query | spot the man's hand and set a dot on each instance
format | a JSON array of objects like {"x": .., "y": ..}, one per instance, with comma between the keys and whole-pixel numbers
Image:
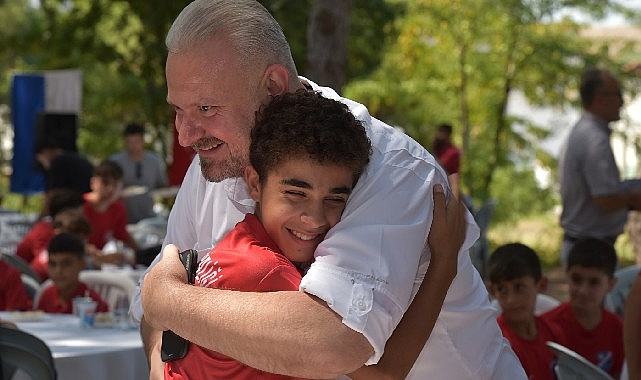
[
  {"x": 163, "y": 277},
  {"x": 447, "y": 233}
]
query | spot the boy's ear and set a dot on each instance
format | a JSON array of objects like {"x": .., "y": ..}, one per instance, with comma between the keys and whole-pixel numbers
[
  {"x": 253, "y": 182},
  {"x": 276, "y": 80}
]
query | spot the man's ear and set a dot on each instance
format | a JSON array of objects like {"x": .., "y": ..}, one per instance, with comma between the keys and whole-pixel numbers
[
  {"x": 276, "y": 80},
  {"x": 253, "y": 182}
]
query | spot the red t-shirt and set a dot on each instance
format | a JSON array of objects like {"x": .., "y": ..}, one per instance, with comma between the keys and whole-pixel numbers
[
  {"x": 13, "y": 295},
  {"x": 450, "y": 158},
  {"x": 112, "y": 223},
  {"x": 602, "y": 346},
  {"x": 246, "y": 259},
  {"x": 34, "y": 243},
  {"x": 51, "y": 302},
  {"x": 535, "y": 356}
]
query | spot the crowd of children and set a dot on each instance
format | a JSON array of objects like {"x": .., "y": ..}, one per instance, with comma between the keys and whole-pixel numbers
[
  {"x": 68, "y": 239},
  {"x": 582, "y": 323}
]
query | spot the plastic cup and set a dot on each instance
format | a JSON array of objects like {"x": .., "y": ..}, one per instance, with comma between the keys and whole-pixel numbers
[
  {"x": 76, "y": 301},
  {"x": 86, "y": 312}
]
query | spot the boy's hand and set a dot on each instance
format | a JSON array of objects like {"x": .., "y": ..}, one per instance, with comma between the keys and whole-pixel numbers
[{"x": 447, "y": 233}]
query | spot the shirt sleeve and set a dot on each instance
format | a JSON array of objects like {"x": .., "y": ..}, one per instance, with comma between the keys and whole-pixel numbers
[{"x": 366, "y": 268}]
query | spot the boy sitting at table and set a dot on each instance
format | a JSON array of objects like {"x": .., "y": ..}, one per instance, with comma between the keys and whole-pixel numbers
[
  {"x": 66, "y": 260},
  {"x": 515, "y": 280},
  {"x": 592, "y": 331}
]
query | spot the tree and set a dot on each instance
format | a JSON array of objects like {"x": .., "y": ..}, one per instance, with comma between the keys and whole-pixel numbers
[
  {"x": 327, "y": 33},
  {"x": 459, "y": 61}
]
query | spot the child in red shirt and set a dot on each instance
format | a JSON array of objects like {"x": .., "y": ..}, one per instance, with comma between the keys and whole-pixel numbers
[
  {"x": 592, "y": 331},
  {"x": 13, "y": 295},
  {"x": 105, "y": 210},
  {"x": 66, "y": 260},
  {"x": 515, "y": 276}
]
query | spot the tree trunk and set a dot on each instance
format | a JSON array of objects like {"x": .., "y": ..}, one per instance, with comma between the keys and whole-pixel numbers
[{"x": 327, "y": 34}]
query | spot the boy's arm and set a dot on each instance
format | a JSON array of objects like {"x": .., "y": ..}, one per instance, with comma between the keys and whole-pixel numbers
[
  {"x": 632, "y": 330},
  {"x": 446, "y": 237}
]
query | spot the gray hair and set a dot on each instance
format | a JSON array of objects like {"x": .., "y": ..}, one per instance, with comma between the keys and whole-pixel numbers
[{"x": 254, "y": 34}]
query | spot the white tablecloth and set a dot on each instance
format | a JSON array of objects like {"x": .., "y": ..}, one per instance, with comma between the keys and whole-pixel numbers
[{"x": 88, "y": 353}]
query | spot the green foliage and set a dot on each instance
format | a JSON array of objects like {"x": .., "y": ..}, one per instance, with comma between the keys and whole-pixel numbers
[
  {"x": 458, "y": 61},
  {"x": 414, "y": 63},
  {"x": 541, "y": 232}
]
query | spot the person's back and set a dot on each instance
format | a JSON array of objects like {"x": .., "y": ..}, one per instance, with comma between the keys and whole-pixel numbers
[
  {"x": 66, "y": 260},
  {"x": 33, "y": 247},
  {"x": 143, "y": 171},
  {"x": 13, "y": 295},
  {"x": 515, "y": 279},
  {"x": 592, "y": 331}
]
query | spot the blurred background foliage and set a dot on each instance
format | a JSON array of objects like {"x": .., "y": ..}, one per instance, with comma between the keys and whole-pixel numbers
[{"x": 414, "y": 63}]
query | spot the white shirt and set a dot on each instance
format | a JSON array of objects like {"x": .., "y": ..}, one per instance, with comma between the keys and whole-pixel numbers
[{"x": 372, "y": 262}]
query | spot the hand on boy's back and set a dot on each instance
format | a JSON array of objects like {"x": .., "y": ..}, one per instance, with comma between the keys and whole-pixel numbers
[{"x": 447, "y": 232}]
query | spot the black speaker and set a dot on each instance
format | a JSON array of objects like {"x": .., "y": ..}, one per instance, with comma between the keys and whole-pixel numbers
[{"x": 56, "y": 130}]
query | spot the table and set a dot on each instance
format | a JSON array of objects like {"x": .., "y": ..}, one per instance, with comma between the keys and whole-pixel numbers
[{"x": 88, "y": 353}]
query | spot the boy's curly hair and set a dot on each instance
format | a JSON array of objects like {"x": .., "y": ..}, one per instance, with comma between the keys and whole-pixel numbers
[{"x": 304, "y": 124}]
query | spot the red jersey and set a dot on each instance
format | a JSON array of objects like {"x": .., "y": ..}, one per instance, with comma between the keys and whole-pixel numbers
[
  {"x": 112, "y": 223},
  {"x": 450, "y": 158},
  {"x": 13, "y": 295},
  {"x": 33, "y": 247},
  {"x": 51, "y": 302},
  {"x": 602, "y": 345},
  {"x": 535, "y": 356},
  {"x": 246, "y": 259}
]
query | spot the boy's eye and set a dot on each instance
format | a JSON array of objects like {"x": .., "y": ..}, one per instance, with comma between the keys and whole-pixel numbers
[{"x": 337, "y": 200}]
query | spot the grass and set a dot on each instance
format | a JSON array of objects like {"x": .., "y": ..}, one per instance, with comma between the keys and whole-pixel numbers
[{"x": 543, "y": 234}]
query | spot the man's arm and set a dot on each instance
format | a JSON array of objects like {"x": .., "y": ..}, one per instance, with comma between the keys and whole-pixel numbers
[
  {"x": 151, "y": 340},
  {"x": 614, "y": 202},
  {"x": 632, "y": 330},
  {"x": 446, "y": 237},
  {"x": 274, "y": 332},
  {"x": 242, "y": 324}
]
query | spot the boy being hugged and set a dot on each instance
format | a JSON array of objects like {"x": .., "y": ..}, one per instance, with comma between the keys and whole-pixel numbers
[
  {"x": 515, "y": 280},
  {"x": 592, "y": 331}
]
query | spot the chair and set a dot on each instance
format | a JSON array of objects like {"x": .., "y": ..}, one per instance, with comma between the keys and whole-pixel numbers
[
  {"x": 113, "y": 287},
  {"x": 31, "y": 286},
  {"x": 21, "y": 265},
  {"x": 615, "y": 300},
  {"x": 21, "y": 350},
  {"x": 36, "y": 297},
  {"x": 572, "y": 366}
]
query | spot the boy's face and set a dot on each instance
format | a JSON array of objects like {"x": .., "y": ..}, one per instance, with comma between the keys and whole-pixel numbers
[
  {"x": 588, "y": 287},
  {"x": 517, "y": 297},
  {"x": 106, "y": 188},
  {"x": 299, "y": 202},
  {"x": 64, "y": 269}
]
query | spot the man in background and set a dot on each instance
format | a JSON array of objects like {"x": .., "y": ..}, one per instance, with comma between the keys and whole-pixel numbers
[
  {"x": 143, "y": 171},
  {"x": 448, "y": 155},
  {"x": 595, "y": 201}
]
